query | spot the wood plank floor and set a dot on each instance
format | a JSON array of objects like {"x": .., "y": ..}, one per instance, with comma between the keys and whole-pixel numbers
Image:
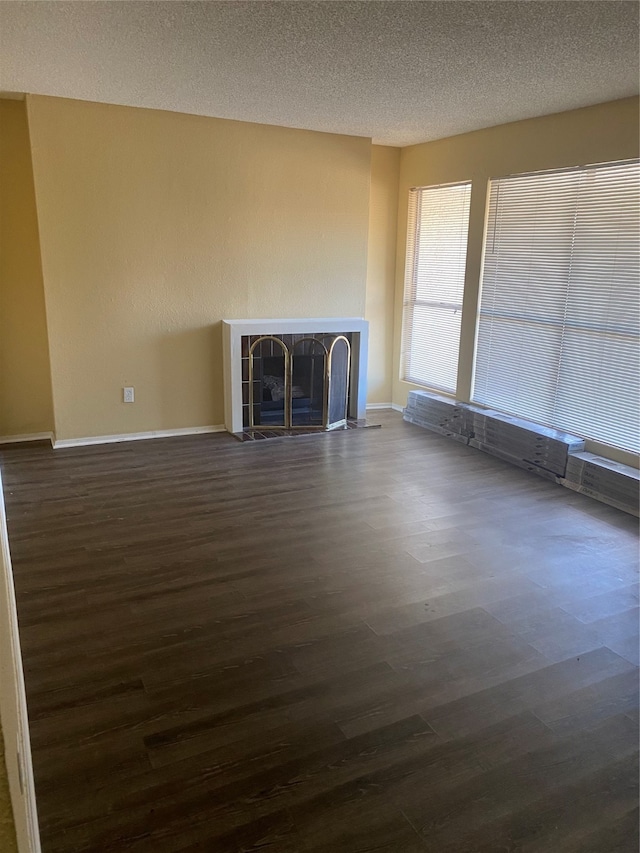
[{"x": 373, "y": 640}]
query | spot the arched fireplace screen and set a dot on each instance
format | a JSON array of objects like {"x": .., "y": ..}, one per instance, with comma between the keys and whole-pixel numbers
[
  {"x": 339, "y": 369},
  {"x": 269, "y": 378},
  {"x": 299, "y": 385}
]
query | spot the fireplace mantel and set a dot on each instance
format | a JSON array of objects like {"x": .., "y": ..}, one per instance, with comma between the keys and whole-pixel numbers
[{"x": 234, "y": 330}]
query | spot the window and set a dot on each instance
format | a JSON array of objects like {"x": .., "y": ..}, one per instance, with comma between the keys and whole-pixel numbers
[
  {"x": 437, "y": 232},
  {"x": 558, "y": 329}
]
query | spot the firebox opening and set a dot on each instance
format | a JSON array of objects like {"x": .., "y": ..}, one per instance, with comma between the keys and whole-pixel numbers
[{"x": 296, "y": 381}]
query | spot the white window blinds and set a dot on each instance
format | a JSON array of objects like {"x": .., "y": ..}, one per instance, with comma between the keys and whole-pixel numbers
[
  {"x": 559, "y": 315},
  {"x": 437, "y": 231}
]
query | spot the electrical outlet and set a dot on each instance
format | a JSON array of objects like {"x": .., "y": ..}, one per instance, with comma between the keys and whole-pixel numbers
[{"x": 127, "y": 395}]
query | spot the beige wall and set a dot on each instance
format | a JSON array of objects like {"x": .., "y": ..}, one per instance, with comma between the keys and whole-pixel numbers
[
  {"x": 595, "y": 134},
  {"x": 154, "y": 226},
  {"x": 381, "y": 270},
  {"x": 25, "y": 383}
]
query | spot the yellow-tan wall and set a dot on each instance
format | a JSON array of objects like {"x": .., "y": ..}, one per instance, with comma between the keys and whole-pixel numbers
[
  {"x": 154, "y": 226},
  {"x": 601, "y": 133},
  {"x": 25, "y": 383},
  {"x": 381, "y": 270}
]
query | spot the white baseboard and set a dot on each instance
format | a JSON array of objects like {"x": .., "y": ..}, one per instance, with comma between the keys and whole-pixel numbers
[
  {"x": 31, "y": 436},
  {"x": 394, "y": 406},
  {"x": 135, "y": 436}
]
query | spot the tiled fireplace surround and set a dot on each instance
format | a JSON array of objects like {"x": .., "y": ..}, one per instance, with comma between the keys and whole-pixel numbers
[{"x": 237, "y": 335}]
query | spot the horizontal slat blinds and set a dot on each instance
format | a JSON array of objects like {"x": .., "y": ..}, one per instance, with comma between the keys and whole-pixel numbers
[
  {"x": 437, "y": 231},
  {"x": 558, "y": 331}
]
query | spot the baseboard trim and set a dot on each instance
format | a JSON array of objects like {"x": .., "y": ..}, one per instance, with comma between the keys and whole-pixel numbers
[
  {"x": 31, "y": 436},
  {"x": 135, "y": 436},
  {"x": 394, "y": 406}
]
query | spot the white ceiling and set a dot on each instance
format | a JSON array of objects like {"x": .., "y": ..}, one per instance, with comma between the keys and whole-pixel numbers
[{"x": 400, "y": 72}]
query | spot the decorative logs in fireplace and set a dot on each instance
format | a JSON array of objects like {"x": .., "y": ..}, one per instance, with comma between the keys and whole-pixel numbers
[{"x": 298, "y": 382}]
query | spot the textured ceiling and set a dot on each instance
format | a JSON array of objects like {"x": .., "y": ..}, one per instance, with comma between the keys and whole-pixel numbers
[{"x": 400, "y": 72}]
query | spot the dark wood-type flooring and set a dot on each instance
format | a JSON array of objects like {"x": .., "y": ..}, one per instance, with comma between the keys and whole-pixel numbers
[{"x": 372, "y": 640}]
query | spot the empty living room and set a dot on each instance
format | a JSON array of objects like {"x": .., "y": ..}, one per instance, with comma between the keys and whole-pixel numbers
[{"x": 319, "y": 426}]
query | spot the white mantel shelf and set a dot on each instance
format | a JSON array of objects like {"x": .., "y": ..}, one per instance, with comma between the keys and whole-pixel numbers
[{"x": 234, "y": 330}]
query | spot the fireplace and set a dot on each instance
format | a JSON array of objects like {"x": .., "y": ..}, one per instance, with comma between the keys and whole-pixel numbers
[{"x": 294, "y": 374}]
